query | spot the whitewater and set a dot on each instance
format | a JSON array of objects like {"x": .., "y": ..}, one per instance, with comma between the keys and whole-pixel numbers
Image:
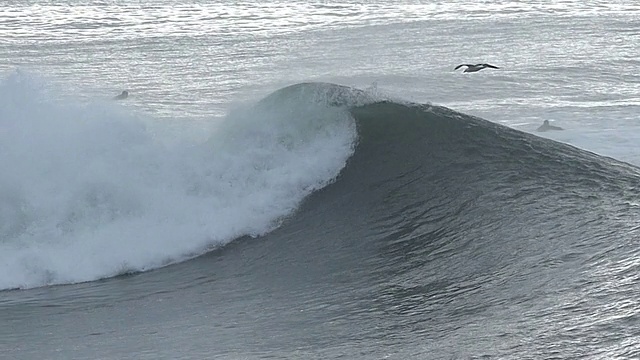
[
  {"x": 92, "y": 194},
  {"x": 282, "y": 180}
]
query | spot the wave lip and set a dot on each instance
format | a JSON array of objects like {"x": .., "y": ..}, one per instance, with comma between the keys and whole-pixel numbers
[{"x": 92, "y": 194}]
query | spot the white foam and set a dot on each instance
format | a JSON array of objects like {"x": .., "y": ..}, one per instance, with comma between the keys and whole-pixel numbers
[{"x": 86, "y": 192}]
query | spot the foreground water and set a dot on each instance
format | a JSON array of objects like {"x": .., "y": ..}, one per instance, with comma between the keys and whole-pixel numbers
[{"x": 436, "y": 241}]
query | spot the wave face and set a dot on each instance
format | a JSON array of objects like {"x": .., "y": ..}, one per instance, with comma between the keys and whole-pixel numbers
[
  {"x": 420, "y": 154},
  {"x": 87, "y": 192},
  {"x": 442, "y": 221}
]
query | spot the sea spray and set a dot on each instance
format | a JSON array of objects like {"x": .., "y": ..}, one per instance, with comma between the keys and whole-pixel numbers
[{"x": 87, "y": 192}]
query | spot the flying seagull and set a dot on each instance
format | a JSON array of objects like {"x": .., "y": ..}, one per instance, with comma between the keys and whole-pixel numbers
[{"x": 476, "y": 67}]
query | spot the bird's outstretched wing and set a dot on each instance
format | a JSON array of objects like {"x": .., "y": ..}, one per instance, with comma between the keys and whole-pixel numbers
[
  {"x": 461, "y": 65},
  {"x": 491, "y": 66}
]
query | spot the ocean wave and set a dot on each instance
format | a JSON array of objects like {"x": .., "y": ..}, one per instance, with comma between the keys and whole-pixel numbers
[{"x": 91, "y": 194}]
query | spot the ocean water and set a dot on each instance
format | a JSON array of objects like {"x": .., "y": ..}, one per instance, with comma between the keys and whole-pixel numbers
[{"x": 313, "y": 180}]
